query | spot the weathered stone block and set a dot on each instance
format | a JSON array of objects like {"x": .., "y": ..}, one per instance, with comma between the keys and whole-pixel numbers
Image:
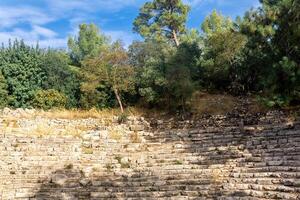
[{"x": 136, "y": 127}]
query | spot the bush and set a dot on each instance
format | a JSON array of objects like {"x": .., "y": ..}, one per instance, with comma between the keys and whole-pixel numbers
[
  {"x": 47, "y": 99},
  {"x": 122, "y": 118},
  {"x": 275, "y": 101},
  {"x": 3, "y": 91},
  {"x": 21, "y": 67}
]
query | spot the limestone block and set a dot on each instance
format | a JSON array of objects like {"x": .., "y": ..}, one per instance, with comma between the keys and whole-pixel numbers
[
  {"x": 59, "y": 179},
  {"x": 137, "y": 127}
]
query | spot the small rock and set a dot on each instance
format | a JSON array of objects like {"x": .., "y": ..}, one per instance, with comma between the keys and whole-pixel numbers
[
  {"x": 84, "y": 182},
  {"x": 86, "y": 137},
  {"x": 275, "y": 163},
  {"x": 125, "y": 160},
  {"x": 86, "y": 144},
  {"x": 59, "y": 179},
  {"x": 159, "y": 122},
  {"x": 103, "y": 134},
  {"x": 6, "y": 111},
  {"x": 249, "y": 128},
  {"x": 136, "y": 127},
  {"x": 290, "y": 124},
  {"x": 95, "y": 138}
]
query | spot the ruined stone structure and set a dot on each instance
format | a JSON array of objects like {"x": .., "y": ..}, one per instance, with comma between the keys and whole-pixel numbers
[{"x": 221, "y": 157}]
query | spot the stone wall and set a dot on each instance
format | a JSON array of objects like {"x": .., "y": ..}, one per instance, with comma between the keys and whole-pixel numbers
[{"x": 220, "y": 157}]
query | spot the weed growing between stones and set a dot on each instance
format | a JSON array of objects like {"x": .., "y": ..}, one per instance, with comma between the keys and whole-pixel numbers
[
  {"x": 135, "y": 137},
  {"x": 109, "y": 167},
  {"x": 87, "y": 150},
  {"x": 115, "y": 135},
  {"x": 122, "y": 118},
  {"x": 178, "y": 162}
]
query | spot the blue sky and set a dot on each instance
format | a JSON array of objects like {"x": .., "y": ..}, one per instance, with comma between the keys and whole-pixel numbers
[{"x": 51, "y": 21}]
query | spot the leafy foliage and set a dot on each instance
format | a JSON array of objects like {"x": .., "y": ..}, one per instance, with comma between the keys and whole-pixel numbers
[
  {"x": 149, "y": 61},
  {"x": 47, "y": 99},
  {"x": 3, "y": 91},
  {"x": 220, "y": 54},
  {"x": 21, "y": 67},
  {"x": 162, "y": 19},
  {"x": 165, "y": 74},
  {"x": 110, "y": 69},
  {"x": 60, "y": 76},
  {"x": 88, "y": 43},
  {"x": 271, "y": 56},
  {"x": 258, "y": 53},
  {"x": 182, "y": 74}
]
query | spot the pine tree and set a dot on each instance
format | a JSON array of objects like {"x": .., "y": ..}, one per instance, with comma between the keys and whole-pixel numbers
[{"x": 3, "y": 91}]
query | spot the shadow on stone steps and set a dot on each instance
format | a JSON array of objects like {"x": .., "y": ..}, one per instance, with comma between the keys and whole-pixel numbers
[{"x": 72, "y": 184}]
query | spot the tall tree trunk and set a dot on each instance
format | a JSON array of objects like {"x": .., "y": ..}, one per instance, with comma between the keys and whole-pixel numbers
[
  {"x": 175, "y": 38},
  {"x": 119, "y": 100}
]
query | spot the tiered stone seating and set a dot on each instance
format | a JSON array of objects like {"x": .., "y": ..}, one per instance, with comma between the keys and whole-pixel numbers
[{"x": 228, "y": 159}]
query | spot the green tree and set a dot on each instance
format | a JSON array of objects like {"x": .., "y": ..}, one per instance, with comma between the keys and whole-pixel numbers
[
  {"x": 162, "y": 19},
  {"x": 110, "y": 68},
  {"x": 165, "y": 75},
  {"x": 220, "y": 54},
  {"x": 88, "y": 43},
  {"x": 149, "y": 60},
  {"x": 283, "y": 83},
  {"x": 271, "y": 57},
  {"x": 216, "y": 23},
  {"x": 3, "y": 91},
  {"x": 193, "y": 37},
  {"x": 21, "y": 67},
  {"x": 183, "y": 73},
  {"x": 47, "y": 99},
  {"x": 258, "y": 54},
  {"x": 60, "y": 76}
]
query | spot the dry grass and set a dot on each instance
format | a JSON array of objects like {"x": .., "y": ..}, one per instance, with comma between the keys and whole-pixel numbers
[
  {"x": 10, "y": 122},
  {"x": 87, "y": 150},
  {"x": 43, "y": 129},
  {"x": 220, "y": 104},
  {"x": 115, "y": 135},
  {"x": 214, "y": 104},
  {"x": 217, "y": 176},
  {"x": 201, "y": 103},
  {"x": 108, "y": 113},
  {"x": 135, "y": 138},
  {"x": 256, "y": 106},
  {"x": 80, "y": 114}
]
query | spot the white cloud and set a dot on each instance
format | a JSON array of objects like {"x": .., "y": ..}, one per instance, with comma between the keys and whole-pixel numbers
[
  {"x": 197, "y": 3},
  {"x": 45, "y": 37},
  {"x": 91, "y": 5},
  {"x": 193, "y": 2},
  {"x": 51, "y": 40},
  {"x": 11, "y": 16},
  {"x": 34, "y": 34},
  {"x": 44, "y": 43},
  {"x": 41, "y": 31},
  {"x": 125, "y": 37},
  {"x": 76, "y": 12},
  {"x": 217, "y": 3},
  {"x": 12, "y": 19},
  {"x": 53, "y": 43},
  {"x": 4, "y": 37}
]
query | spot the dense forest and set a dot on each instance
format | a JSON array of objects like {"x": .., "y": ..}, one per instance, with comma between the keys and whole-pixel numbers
[{"x": 258, "y": 53}]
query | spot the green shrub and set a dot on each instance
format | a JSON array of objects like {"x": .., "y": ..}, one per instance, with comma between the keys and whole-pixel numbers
[
  {"x": 122, "y": 118},
  {"x": 21, "y": 67},
  {"x": 275, "y": 101},
  {"x": 47, "y": 99},
  {"x": 3, "y": 92}
]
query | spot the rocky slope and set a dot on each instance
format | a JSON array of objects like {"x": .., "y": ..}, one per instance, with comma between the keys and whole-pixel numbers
[{"x": 233, "y": 156}]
